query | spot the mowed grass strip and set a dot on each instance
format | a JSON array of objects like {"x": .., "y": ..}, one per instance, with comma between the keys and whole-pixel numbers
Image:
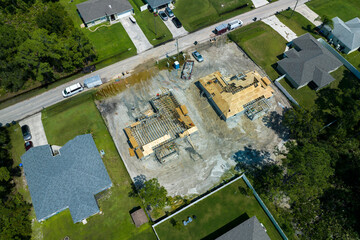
[
  {"x": 199, "y": 14},
  {"x": 297, "y": 23},
  {"x": 153, "y": 27},
  {"x": 345, "y": 10},
  {"x": 262, "y": 43},
  {"x": 223, "y": 207},
  {"x": 109, "y": 42},
  {"x": 64, "y": 121}
]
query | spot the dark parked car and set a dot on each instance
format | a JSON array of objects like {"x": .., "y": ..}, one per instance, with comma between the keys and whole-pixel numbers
[
  {"x": 163, "y": 16},
  {"x": 28, "y": 145},
  {"x": 176, "y": 22},
  {"x": 26, "y": 132},
  {"x": 169, "y": 12},
  {"x": 198, "y": 56}
]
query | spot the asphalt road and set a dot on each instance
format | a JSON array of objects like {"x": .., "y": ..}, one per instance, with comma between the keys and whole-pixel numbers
[{"x": 33, "y": 105}]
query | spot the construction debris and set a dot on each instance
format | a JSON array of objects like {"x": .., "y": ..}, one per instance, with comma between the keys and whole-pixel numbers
[
  {"x": 159, "y": 127},
  {"x": 187, "y": 70},
  {"x": 242, "y": 93}
]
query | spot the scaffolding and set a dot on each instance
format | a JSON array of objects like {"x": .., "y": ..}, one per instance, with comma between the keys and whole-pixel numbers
[{"x": 256, "y": 108}]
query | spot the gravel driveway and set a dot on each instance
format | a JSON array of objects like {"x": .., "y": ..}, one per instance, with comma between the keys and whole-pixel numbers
[{"x": 136, "y": 34}]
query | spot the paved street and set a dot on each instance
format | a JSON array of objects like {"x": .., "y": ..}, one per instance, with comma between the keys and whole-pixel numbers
[{"x": 28, "y": 107}]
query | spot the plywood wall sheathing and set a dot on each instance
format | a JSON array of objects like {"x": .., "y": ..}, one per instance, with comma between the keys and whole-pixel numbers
[
  {"x": 184, "y": 109},
  {"x": 139, "y": 153},
  {"x": 133, "y": 142},
  {"x": 131, "y": 152}
]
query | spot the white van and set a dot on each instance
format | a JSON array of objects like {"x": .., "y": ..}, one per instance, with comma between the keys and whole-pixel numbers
[
  {"x": 73, "y": 89},
  {"x": 235, "y": 24}
]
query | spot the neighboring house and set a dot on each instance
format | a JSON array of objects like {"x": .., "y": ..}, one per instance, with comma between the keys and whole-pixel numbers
[
  {"x": 345, "y": 35},
  {"x": 158, "y": 4},
  {"x": 251, "y": 229},
  {"x": 94, "y": 12},
  {"x": 308, "y": 62},
  {"x": 69, "y": 179}
]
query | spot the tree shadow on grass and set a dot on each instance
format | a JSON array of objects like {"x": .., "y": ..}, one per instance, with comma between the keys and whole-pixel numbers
[
  {"x": 274, "y": 121},
  {"x": 227, "y": 227},
  {"x": 309, "y": 29}
]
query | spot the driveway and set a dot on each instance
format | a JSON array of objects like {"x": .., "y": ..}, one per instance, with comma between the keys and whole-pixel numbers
[
  {"x": 259, "y": 3},
  {"x": 309, "y": 14},
  {"x": 136, "y": 34},
  {"x": 35, "y": 104},
  {"x": 278, "y": 26},
  {"x": 36, "y": 128},
  {"x": 176, "y": 32}
]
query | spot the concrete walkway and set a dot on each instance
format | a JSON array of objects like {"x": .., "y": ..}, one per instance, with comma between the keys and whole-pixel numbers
[
  {"x": 309, "y": 14},
  {"x": 136, "y": 34},
  {"x": 36, "y": 129},
  {"x": 278, "y": 26},
  {"x": 259, "y": 3}
]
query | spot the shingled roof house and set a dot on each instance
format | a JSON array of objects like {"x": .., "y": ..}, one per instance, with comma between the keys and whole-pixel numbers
[
  {"x": 94, "y": 12},
  {"x": 251, "y": 229},
  {"x": 69, "y": 179},
  {"x": 346, "y": 35},
  {"x": 157, "y": 4},
  {"x": 308, "y": 62}
]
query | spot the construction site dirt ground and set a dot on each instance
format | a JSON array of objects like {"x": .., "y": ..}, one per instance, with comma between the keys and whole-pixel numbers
[{"x": 217, "y": 146}]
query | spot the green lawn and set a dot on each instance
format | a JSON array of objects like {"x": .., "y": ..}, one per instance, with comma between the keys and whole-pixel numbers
[
  {"x": 111, "y": 44},
  {"x": 297, "y": 23},
  {"x": 306, "y": 97},
  {"x": 353, "y": 58},
  {"x": 64, "y": 121},
  {"x": 227, "y": 206},
  {"x": 153, "y": 27},
  {"x": 344, "y": 9},
  {"x": 262, "y": 44},
  {"x": 199, "y": 14}
]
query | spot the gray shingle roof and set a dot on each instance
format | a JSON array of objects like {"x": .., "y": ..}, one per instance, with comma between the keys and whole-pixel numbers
[
  {"x": 95, "y": 9},
  {"x": 347, "y": 32},
  {"x": 251, "y": 229},
  {"x": 309, "y": 61},
  {"x": 157, "y": 3},
  {"x": 67, "y": 180}
]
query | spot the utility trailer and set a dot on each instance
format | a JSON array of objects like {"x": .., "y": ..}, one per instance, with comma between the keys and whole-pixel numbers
[
  {"x": 93, "y": 81},
  {"x": 221, "y": 29},
  {"x": 187, "y": 70}
]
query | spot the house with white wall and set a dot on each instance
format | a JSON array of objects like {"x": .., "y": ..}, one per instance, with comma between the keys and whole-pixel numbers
[{"x": 94, "y": 12}]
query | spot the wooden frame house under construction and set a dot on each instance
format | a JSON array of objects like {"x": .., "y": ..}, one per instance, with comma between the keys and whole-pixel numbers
[
  {"x": 158, "y": 129},
  {"x": 243, "y": 93}
]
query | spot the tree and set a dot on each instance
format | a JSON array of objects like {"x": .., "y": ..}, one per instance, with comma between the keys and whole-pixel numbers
[
  {"x": 55, "y": 20},
  {"x": 303, "y": 125},
  {"x": 153, "y": 194},
  {"x": 4, "y": 174},
  {"x": 308, "y": 171}
]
